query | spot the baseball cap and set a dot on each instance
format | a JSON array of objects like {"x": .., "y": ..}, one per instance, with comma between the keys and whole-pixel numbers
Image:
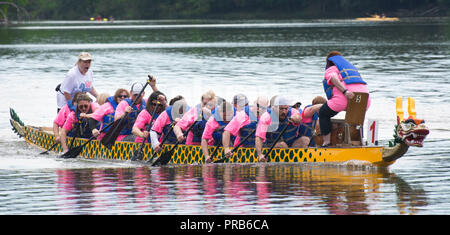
[
  {"x": 280, "y": 100},
  {"x": 85, "y": 56},
  {"x": 136, "y": 88}
]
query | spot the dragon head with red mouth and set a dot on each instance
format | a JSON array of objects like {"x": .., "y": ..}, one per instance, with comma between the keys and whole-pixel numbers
[{"x": 411, "y": 131}]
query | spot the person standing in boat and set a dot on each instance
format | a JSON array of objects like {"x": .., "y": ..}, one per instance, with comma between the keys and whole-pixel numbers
[
  {"x": 197, "y": 116},
  {"x": 105, "y": 113},
  {"x": 124, "y": 107},
  {"x": 214, "y": 127},
  {"x": 156, "y": 103},
  {"x": 341, "y": 80},
  {"x": 243, "y": 124},
  {"x": 80, "y": 78},
  {"x": 162, "y": 126},
  {"x": 310, "y": 119},
  {"x": 79, "y": 120},
  {"x": 273, "y": 122}
]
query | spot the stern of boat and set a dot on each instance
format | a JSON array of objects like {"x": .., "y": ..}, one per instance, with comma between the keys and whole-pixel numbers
[{"x": 17, "y": 125}]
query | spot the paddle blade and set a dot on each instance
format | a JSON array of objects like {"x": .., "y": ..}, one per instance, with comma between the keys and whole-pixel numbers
[
  {"x": 48, "y": 150},
  {"x": 222, "y": 160},
  {"x": 164, "y": 158},
  {"x": 73, "y": 153},
  {"x": 138, "y": 154},
  {"x": 110, "y": 137}
]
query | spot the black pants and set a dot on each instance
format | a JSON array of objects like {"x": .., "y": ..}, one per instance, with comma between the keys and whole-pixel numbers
[{"x": 325, "y": 115}]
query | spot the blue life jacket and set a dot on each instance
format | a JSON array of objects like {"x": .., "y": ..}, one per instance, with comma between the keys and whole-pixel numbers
[
  {"x": 72, "y": 106},
  {"x": 199, "y": 124},
  {"x": 289, "y": 135},
  {"x": 85, "y": 132},
  {"x": 348, "y": 72},
  {"x": 217, "y": 135},
  {"x": 107, "y": 119},
  {"x": 131, "y": 119},
  {"x": 247, "y": 129}
]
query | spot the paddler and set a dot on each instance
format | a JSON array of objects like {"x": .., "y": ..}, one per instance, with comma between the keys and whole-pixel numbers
[
  {"x": 212, "y": 134},
  {"x": 105, "y": 113},
  {"x": 170, "y": 116},
  {"x": 124, "y": 107},
  {"x": 63, "y": 113},
  {"x": 197, "y": 116},
  {"x": 240, "y": 101},
  {"x": 79, "y": 120},
  {"x": 243, "y": 124},
  {"x": 273, "y": 122},
  {"x": 310, "y": 119},
  {"x": 156, "y": 104}
]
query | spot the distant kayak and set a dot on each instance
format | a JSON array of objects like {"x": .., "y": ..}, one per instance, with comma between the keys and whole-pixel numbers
[
  {"x": 377, "y": 18},
  {"x": 100, "y": 19}
]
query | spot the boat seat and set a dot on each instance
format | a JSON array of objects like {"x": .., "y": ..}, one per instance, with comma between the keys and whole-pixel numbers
[
  {"x": 348, "y": 132},
  {"x": 354, "y": 117}
]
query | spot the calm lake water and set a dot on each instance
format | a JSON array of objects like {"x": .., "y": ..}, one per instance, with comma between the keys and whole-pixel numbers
[{"x": 408, "y": 58}]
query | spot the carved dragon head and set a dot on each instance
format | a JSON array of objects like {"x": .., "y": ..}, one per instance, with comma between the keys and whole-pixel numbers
[{"x": 412, "y": 131}]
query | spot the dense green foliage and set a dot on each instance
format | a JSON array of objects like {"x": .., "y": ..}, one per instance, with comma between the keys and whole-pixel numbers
[{"x": 262, "y": 9}]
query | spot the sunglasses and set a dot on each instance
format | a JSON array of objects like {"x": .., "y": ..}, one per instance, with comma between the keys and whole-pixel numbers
[
  {"x": 85, "y": 106},
  {"x": 161, "y": 103},
  {"x": 122, "y": 96}
]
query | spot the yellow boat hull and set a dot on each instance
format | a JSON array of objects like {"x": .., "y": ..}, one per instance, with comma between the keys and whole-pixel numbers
[{"x": 191, "y": 154}]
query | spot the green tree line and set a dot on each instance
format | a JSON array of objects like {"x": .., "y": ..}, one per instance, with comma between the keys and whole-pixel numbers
[{"x": 221, "y": 9}]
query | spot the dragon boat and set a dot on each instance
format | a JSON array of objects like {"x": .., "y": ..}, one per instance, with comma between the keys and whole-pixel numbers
[{"x": 408, "y": 132}]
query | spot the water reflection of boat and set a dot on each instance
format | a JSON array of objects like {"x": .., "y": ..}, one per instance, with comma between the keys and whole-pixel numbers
[
  {"x": 376, "y": 17},
  {"x": 226, "y": 188}
]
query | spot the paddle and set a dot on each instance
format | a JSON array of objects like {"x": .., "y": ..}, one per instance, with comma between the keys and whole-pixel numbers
[
  {"x": 139, "y": 154},
  {"x": 73, "y": 153},
  {"x": 277, "y": 139},
  {"x": 77, "y": 130},
  {"x": 215, "y": 150},
  {"x": 162, "y": 142},
  {"x": 50, "y": 149},
  {"x": 165, "y": 157},
  {"x": 110, "y": 137},
  {"x": 235, "y": 148}
]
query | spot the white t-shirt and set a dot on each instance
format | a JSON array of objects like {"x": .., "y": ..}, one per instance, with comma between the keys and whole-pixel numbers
[{"x": 73, "y": 83}]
